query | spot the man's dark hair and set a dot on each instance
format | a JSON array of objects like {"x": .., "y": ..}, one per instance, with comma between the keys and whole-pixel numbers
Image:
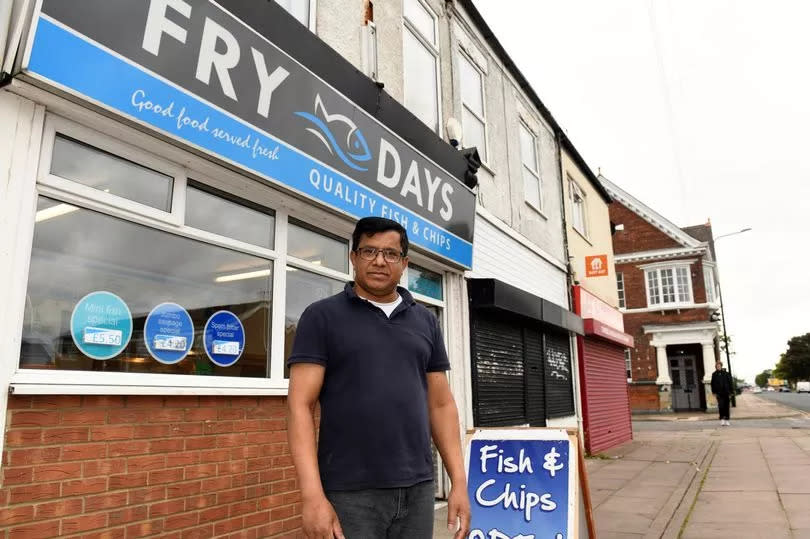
[{"x": 372, "y": 225}]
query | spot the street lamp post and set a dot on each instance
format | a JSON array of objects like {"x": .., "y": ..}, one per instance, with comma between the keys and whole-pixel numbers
[{"x": 723, "y": 318}]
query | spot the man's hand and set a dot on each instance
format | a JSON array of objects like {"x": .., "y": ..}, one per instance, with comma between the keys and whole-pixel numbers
[
  {"x": 458, "y": 512},
  {"x": 320, "y": 520}
]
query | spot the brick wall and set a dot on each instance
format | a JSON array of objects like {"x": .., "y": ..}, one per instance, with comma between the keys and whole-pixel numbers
[
  {"x": 136, "y": 466},
  {"x": 638, "y": 234},
  {"x": 643, "y": 397}
]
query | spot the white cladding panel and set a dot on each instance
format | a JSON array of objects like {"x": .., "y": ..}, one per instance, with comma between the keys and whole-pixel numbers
[{"x": 501, "y": 257}]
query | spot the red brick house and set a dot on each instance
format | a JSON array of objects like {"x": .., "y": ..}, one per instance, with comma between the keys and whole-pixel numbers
[{"x": 667, "y": 282}]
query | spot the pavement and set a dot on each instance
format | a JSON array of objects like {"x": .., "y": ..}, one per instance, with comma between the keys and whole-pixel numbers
[{"x": 749, "y": 480}]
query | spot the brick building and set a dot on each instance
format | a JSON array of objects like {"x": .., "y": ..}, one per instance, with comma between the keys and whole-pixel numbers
[{"x": 667, "y": 282}]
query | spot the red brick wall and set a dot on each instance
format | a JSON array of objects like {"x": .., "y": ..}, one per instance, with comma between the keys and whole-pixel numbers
[
  {"x": 135, "y": 466},
  {"x": 644, "y": 397},
  {"x": 638, "y": 234}
]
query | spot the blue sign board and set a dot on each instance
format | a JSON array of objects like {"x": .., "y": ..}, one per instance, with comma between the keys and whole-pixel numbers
[
  {"x": 224, "y": 338},
  {"x": 101, "y": 325},
  {"x": 263, "y": 111},
  {"x": 168, "y": 333},
  {"x": 522, "y": 484}
]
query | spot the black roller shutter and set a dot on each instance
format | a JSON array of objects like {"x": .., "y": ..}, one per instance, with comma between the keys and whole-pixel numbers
[
  {"x": 559, "y": 392},
  {"x": 535, "y": 378},
  {"x": 498, "y": 374}
]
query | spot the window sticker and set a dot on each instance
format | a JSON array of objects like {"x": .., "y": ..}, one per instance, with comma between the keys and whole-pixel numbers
[
  {"x": 224, "y": 338},
  {"x": 101, "y": 325},
  {"x": 168, "y": 333}
]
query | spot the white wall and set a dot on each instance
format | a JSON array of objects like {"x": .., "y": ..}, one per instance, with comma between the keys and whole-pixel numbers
[{"x": 499, "y": 256}]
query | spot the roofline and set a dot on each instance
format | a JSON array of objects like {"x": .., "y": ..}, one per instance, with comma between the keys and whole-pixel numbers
[
  {"x": 574, "y": 154},
  {"x": 650, "y": 215},
  {"x": 512, "y": 68}
]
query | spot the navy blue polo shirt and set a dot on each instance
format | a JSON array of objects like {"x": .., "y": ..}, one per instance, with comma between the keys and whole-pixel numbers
[{"x": 375, "y": 430}]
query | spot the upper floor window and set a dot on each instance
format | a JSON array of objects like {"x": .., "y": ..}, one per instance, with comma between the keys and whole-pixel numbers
[
  {"x": 473, "y": 116},
  {"x": 303, "y": 10},
  {"x": 711, "y": 287},
  {"x": 577, "y": 197},
  {"x": 530, "y": 167},
  {"x": 620, "y": 289},
  {"x": 420, "y": 51},
  {"x": 668, "y": 285}
]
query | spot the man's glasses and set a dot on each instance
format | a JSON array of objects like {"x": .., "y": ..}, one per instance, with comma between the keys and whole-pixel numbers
[{"x": 370, "y": 253}]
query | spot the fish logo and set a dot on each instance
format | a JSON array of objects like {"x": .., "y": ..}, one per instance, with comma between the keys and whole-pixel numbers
[{"x": 331, "y": 128}]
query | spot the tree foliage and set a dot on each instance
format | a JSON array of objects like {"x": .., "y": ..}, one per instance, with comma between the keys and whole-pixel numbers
[
  {"x": 761, "y": 379},
  {"x": 794, "y": 364}
]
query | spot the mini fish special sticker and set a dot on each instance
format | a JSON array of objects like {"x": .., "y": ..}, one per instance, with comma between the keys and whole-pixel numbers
[
  {"x": 224, "y": 338},
  {"x": 101, "y": 325},
  {"x": 168, "y": 333}
]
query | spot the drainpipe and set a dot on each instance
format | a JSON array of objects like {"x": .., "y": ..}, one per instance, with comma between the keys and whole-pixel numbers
[{"x": 569, "y": 281}]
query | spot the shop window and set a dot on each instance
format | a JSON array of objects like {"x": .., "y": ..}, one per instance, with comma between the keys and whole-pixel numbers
[
  {"x": 191, "y": 291},
  {"x": 303, "y": 289},
  {"x": 425, "y": 282},
  {"x": 668, "y": 286},
  {"x": 532, "y": 186},
  {"x": 318, "y": 247},
  {"x": 620, "y": 290},
  {"x": 421, "y": 62},
  {"x": 213, "y": 212},
  {"x": 302, "y": 10},
  {"x": 473, "y": 113},
  {"x": 90, "y": 166},
  {"x": 578, "y": 210}
]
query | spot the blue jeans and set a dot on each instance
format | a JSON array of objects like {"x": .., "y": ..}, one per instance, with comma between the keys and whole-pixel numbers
[{"x": 386, "y": 513}]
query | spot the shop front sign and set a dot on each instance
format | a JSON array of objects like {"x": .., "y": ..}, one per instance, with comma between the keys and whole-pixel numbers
[{"x": 196, "y": 73}]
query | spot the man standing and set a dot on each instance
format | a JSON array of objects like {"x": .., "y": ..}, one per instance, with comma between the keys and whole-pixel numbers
[
  {"x": 722, "y": 387},
  {"x": 376, "y": 362}
]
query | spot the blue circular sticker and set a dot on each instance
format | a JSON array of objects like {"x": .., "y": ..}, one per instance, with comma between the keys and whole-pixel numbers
[
  {"x": 101, "y": 325},
  {"x": 168, "y": 333},
  {"x": 224, "y": 338}
]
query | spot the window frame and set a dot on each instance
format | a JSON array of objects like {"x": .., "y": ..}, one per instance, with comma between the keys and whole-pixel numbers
[
  {"x": 433, "y": 49},
  {"x": 464, "y": 57},
  {"x": 578, "y": 208},
  {"x": 628, "y": 364},
  {"x": 143, "y": 149},
  {"x": 621, "y": 291},
  {"x": 710, "y": 283},
  {"x": 656, "y": 271},
  {"x": 535, "y": 172},
  {"x": 311, "y": 23}
]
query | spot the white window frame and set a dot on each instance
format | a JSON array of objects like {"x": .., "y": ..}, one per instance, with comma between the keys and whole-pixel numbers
[
  {"x": 311, "y": 23},
  {"x": 147, "y": 151},
  {"x": 710, "y": 283},
  {"x": 536, "y": 171},
  {"x": 463, "y": 56},
  {"x": 578, "y": 208},
  {"x": 628, "y": 364},
  {"x": 621, "y": 291},
  {"x": 433, "y": 48},
  {"x": 656, "y": 269}
]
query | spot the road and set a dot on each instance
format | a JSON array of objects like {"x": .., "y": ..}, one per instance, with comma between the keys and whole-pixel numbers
[{"x": 800, "y": 401}]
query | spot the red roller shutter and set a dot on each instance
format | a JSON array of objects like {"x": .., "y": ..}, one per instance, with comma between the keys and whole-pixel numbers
[{"x": 606, "y": 406}]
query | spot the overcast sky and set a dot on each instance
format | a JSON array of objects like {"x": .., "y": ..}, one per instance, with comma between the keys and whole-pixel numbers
[{"x": 700, "y": 109}]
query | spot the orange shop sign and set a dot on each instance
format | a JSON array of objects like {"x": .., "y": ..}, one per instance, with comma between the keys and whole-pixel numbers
[{"x": 596, "y": 266}]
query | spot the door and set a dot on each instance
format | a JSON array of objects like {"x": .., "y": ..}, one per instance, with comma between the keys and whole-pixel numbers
[{"x": 685, "y": 393}]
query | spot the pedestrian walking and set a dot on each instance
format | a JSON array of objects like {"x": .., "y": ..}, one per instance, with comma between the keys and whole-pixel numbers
[
  {"x": 722, "y": 387},
  {"x": 375, "y": 361}
]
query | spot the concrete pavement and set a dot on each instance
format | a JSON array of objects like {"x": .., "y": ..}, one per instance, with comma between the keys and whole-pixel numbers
[
  {"x": 723, "y": 482},
  {"x": 712, "y": 482}
]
